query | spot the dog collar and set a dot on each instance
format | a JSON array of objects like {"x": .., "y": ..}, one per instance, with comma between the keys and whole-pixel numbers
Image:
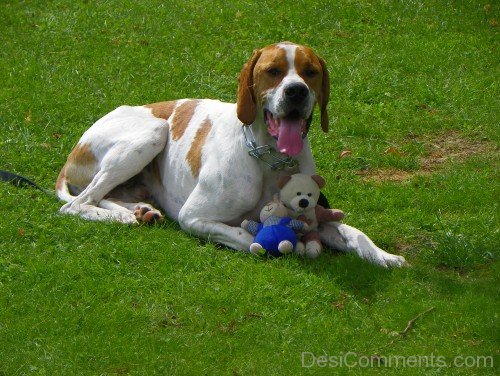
[{"x": 267, "y": 154}]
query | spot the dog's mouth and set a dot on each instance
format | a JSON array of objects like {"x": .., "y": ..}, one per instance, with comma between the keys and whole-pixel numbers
[{"x": 288, "y": 131}]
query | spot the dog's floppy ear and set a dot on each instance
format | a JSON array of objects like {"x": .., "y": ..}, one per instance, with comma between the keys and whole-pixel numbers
[
  {"x": 325, "y": 96},
  {"x": 283, "y": 180},
  {"x": 246, "y": 106},
  {"x": 319, "y": 180}
]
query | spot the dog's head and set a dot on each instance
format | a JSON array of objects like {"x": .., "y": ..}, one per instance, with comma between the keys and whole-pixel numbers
[{"x": 283, "y": 82}]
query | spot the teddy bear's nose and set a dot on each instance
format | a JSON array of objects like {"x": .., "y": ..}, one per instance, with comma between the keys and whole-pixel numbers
[{"x": 304, "y": 203}]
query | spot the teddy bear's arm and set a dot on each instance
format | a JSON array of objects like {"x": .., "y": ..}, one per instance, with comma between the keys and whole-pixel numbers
[
  {"x": 298, "y": 225},
  {"x": 251, "y": 226},
  {"x": 328, "y": 215}
]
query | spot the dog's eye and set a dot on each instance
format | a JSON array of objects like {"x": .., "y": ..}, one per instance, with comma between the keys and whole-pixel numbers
[
  {"x": 273, "y": 72},
  {"x": 310, "y": 72},
  {"x": 309, "y": 194},
  {"x": 299, "y": 193}
]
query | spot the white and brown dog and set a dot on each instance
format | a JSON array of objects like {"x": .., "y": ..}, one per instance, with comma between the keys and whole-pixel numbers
[{"x": 208, "y": 164}]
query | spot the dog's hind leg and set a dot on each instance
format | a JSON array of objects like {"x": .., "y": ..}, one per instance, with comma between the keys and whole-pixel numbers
[
  {"x": 111, "y": 152},
  {"x": 86, "y": 204}
]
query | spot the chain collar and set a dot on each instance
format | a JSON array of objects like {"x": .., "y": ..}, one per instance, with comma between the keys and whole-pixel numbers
[{"x": 267, "y": 154}]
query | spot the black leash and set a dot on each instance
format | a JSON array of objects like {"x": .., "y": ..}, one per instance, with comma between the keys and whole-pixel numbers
[{"x": 21, "y": 181}]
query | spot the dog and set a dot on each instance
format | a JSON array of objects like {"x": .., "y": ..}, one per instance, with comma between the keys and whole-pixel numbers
[{"x": 209, "y": 164}]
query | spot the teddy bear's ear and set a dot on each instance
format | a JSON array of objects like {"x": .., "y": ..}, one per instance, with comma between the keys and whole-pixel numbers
[
  {"x": 319, "y": 180},
  {"x": 283, "y": 180}
]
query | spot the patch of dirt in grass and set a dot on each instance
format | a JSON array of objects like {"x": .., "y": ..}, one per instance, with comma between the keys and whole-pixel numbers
[
  {"x": 447, "y": 146},
  {"x": 386, "y": 174},
  {"x": 460, "y": 270},
  {"x": 452, "y": 146},
  {"x": 411, "y": 246}
]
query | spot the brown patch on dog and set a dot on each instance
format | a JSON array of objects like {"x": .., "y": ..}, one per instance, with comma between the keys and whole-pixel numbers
[
  {"x": 315, "y": 74},
  {"x": 450, "y": 145},
  {"x": 81, "y": 165},
  {"x": 306, "y": 59},
  {"x": 182, "y": 116},
  {"x": 82, "y": 155},
  {"x": 271, "y": 58},
  {"x": 61, "y": 179},
  {"x": 246, "y": 106},
  {"x": 162, "y": 110},
  {"x": 194, "y": 154}
]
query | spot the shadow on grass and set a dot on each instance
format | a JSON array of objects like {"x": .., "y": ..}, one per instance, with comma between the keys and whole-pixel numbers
[
  {"x": 353, "y": 275},
  {"x": 345, "y": 272}
]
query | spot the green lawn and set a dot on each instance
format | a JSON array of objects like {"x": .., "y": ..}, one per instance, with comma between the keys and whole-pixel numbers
[{"x": 415, "y": 101}]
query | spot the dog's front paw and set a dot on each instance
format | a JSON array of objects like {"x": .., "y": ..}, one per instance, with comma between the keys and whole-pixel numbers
[{"x": 391, "y": 260}]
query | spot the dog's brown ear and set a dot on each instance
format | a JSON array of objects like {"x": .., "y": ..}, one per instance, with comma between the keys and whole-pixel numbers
[
  {"x": 283, "y": 180},
  {"x": 319, "y": 180},
  {"x": 246, "y": 106},
  {"x": 325, "y": 96}
]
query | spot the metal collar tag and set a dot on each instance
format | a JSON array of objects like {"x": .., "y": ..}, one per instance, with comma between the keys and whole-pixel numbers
[{"x": 267, "y": 154}]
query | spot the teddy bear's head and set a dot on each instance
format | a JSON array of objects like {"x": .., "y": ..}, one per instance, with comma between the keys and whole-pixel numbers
[
  {"x": 275, "y": 208},
  {"x": 300, "y": 192}
]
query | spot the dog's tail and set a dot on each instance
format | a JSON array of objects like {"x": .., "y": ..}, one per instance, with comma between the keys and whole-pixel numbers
[{"x": 62, "y": 189}]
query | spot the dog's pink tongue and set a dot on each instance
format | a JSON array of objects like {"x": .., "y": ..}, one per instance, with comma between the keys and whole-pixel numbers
[{"x": 290, "y": 137}]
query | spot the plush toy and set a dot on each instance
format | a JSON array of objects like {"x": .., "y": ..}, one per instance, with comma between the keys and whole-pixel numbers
[
  {"x": 276, "y": 234},
  {"x": 300, "y": 193}
]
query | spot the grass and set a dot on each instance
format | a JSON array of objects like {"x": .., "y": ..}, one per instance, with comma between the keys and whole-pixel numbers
[{"x": 414, "y": 99}]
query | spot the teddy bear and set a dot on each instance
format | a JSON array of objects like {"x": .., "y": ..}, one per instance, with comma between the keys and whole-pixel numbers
[
  {"x": 276, "y": 234},
  {"x": 299, "y": 193}
]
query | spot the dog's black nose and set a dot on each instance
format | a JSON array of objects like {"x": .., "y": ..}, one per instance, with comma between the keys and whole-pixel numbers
[
  {"x": 304, "y": 203},
  {"x": 296, "y": 93}
]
